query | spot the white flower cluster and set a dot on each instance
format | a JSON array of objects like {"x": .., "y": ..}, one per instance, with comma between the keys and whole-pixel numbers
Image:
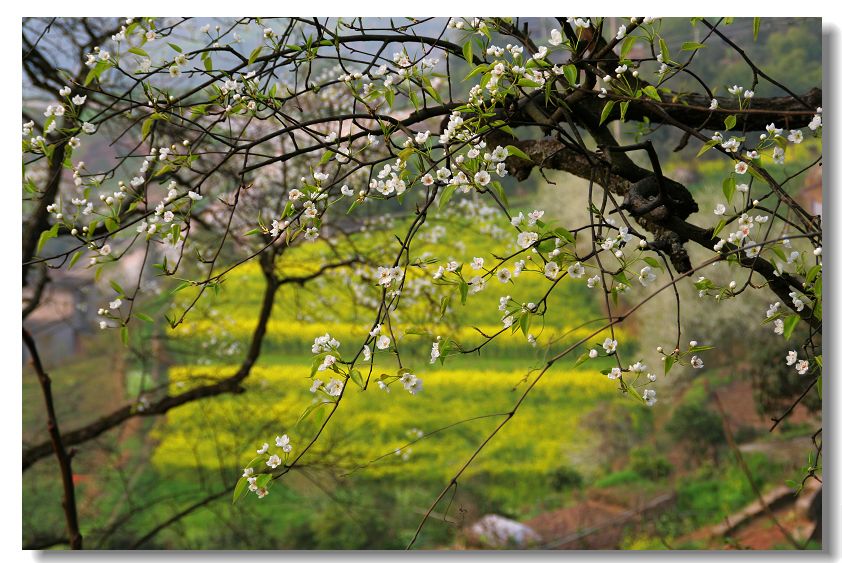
[
  {"x": 801, "y": 366},
  {"x": 389, "y": 181},
  {"x": 274, "y": 461},
  {"x": 325, "y": 343}
]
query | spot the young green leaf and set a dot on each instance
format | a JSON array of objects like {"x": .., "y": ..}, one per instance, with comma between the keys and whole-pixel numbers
[
  {"x": 514, "y": 151},
  {"x": 652, "y": 92},
  {"x": 606, "y": 111}
]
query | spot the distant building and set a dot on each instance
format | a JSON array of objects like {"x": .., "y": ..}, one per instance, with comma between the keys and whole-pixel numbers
[{"x": 63, "y": 315}]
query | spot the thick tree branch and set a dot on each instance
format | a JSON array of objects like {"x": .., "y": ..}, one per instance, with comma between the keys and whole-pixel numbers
[{"x": 667, "y": 223}]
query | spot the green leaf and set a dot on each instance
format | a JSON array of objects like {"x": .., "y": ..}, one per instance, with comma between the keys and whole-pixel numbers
[
  {"x": 789, "y": 325},
  {"x": 138, "y": 51},
  {"x": 606, "y": 111},
  {"x": 652, "y": 92},
  {"x": 445, "y": 301},
  {"x": 406, "y": 153},
  {"x": 116, "y": 287},
  {"x": 124, "y": 335},
  {"x": 718, "y": 229},
  {"x": 730, "y": 122},
  {"x": 729, "y": 185},
  {"x": 263, "y": 480},
  {"x": 309, "y": 410},
  {"x": 390, "y": 96},
  {"x": 144, "y": 317},
  {"x": 208, "y": 63},
  {"x": 524, "y": 323},
  {"x": 433, "y": 92},
  {"x": 628, "y": 43},
  {"x": 325, "y": 157},
  {"x": 240, "y": 489},
  {"x": 563, "y": 233},
  {"x": 705, "y": 148},
  {"x": 571, "y": 74},
  {"x": 623, "y": 107},
  {"x": 75, "y": 258},
  {"x": 463, "y": 291},
  {"x": 257, "y": 461},
  {"x": 668, "y": 363},
  {"x": 317, "y": 361},
  {"x": 446, "y": 194},
  {"x": 356, "y": 377},
  {"x": 498, "y": 190},
  {"x": 147, "y": 125},
  {"x": 96, "y": 72},
  {"x": 514, "y": 151},
  {"x": 468, "y": 52},
  {"x": 163, "y": 170},
  {"x": 526, "y": 83},
  {"x": 652, "y": 262},
  {"x": 45, "y": 236},
  {"x": 182, "y": 285},
  {"x": 813, "y": 272},
  {"x": 479, "y": 69},
  {"x": 664, "y": 49},
  {"x": 254, "y": 54},
  {"x": 692, "y": 46},
  {"x": 756, "y": 27},
  {"x": 634, "y": 393},
  {"x": 175, "y": 47}
]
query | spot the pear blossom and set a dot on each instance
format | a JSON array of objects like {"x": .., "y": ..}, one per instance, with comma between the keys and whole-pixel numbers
[
  {"x": 482, "y": 178},
  {"x": 411, "y": 383},
  {"x": 791, "y": 357},
  {"x": 526, "y": 239},
  {"x": 334, "y": 387},
  {"x": 795, "y": 136},
  {"x": 283, "y": 443},
  {"x": 646, "y": 276}
]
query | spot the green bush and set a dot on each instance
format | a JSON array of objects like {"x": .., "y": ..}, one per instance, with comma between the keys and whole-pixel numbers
[
  {"x": 694, "y": 424},
  {"x": 646, "y": 462},
  {"x": 566, "y": 478}
]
